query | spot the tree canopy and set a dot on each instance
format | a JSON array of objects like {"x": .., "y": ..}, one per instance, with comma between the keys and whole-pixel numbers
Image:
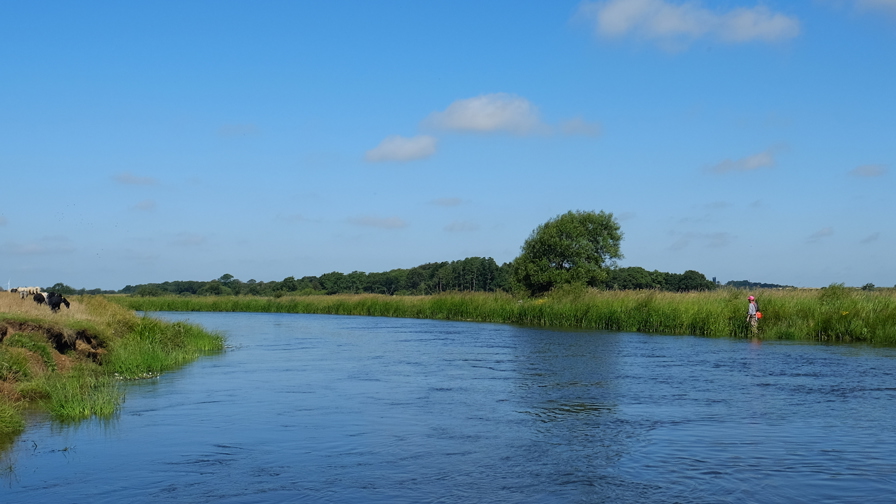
[{"x": 575, "y": 248}]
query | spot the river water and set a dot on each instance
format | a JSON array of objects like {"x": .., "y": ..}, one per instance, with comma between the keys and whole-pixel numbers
[{"x": 319, "y": 408}]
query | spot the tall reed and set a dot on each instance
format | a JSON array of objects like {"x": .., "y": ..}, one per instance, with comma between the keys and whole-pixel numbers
[{"x": 835, "y": 313}]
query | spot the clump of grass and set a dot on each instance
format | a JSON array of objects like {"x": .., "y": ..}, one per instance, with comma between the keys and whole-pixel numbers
[
  {"x": 154, "y": 346},
  {"x": 83, "y": 392},
  {"x": 11, "y": 422},
  {"x": 14, "y": 365},
  {"x": 34, "y": 343}
]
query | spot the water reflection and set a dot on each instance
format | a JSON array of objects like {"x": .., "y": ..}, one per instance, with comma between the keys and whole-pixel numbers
[{"x": 355, "y": 409}]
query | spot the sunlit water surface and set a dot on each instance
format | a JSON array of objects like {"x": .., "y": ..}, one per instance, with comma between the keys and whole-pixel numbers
[{"x": 317, "y": 408}]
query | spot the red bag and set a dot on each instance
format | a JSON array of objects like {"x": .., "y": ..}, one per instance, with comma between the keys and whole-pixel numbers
[{"x": 758, "y": 315}]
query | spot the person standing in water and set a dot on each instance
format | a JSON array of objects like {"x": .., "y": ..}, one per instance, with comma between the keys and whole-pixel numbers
[{"x": 752, "y": 319}]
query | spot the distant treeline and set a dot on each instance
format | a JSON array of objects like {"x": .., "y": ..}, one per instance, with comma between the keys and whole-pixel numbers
[
  {"x": 746, "y": 284},
  {"x": 473, "y": 274}
]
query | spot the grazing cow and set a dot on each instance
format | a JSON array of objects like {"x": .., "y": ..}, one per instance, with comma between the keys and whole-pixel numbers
[
  {"x": 39, "y": 299},
  {"x": 55, "y": 300}
]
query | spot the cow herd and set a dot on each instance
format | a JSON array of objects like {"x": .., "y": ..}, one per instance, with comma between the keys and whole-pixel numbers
[{"x": 54, "y": 300}]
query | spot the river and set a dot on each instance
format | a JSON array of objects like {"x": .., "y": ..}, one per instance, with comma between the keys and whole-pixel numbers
[{"x": 333, "y": 409}]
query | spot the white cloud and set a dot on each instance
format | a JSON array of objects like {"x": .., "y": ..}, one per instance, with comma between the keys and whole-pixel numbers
[
  {"x": 765, "y": 159},
  {"x": 458, "y": 226},
  {"x": 579, "y": 126},
  {"x": 379, "y": 222},
  {"x": 866, "y": 171},
  {"x": 488, "y": 113},
  {"x": 129, "y": 178},
  {"x": 677, "y": 23},
  {"x": 145, "y": 205},
  {"x": 447, "y": 202},
  {"x": 399, "y": 148}
]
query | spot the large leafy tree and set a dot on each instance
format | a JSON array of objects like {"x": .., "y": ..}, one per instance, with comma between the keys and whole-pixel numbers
[{"x": 575, "y": 248}]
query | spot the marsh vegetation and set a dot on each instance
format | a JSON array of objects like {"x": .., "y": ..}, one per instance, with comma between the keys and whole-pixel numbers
[{"x": 835, "y": 313}]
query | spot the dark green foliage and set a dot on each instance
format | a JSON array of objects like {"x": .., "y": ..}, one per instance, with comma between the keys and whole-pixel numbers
[
  {"x": 746, "y": 284},
  {"x": 688, "y": 281},
  {"x": 634, "y": 278},
  {"x": 573, "y": 248},
  {"x": 479, "y": 274}
]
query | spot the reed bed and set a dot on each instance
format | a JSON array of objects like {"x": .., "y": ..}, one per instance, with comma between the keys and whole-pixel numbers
[{"x": 835, "y": 313}]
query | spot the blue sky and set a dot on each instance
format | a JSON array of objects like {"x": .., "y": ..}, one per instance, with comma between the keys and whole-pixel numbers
[{"x": 151, "y": 141}]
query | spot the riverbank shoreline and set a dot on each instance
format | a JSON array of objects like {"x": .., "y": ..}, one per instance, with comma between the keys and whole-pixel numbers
[
  {"x": 832, "y": 314},
  {"x": 69, "y": 363}
]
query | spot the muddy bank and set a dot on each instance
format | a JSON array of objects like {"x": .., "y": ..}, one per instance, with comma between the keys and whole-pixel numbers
[{"x": 64, "y": 342}]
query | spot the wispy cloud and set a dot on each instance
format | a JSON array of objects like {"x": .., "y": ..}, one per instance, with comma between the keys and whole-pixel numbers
[
  {"x": 579, "y": 126},
  {"x": 675, "y": 24},
  {"x": 379, "y": 222},
  {"x": 145, "y": 205},
  {"x": 888, "y": 6},
  {"x": 866, "y": 171},
  {"x": 459, "y": 226},
  {"x": 447, "y": 202},
  {"x": 820, "y": 234},
  {"x": 764, "y": 159},
  {"x": 129, "y": 178},
  {"x": 498, "y": 112},
  {"x": 237, "y": 130},
  {"x": 399, "y": 148},
  {"x": 873, "y": 237},
  {"x": 188, "y": 240}
]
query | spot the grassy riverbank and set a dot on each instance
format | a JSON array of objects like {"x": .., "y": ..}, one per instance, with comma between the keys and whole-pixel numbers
[
  {"x": 69, "y": 363},
  {"x": 835, "y": 313}
]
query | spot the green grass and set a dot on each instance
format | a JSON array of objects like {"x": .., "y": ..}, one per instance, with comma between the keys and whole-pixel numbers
[
  {"x": 83, "y": 392},
  {"x": 11, "y": 422},
  {"x": 107, "y": 343},
  {"x": 155, "y": 346},
  {"x": 35, "y": 343},
  {"x": 835, "y": 313}
]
